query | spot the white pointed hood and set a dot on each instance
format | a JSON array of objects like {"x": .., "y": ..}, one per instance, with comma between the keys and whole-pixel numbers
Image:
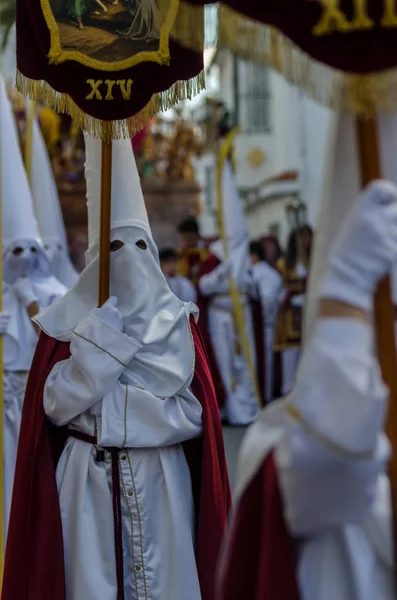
[
  {"x": 340, "y": 190},
  {"x": 19, "y": 221},
  {"x": 20, "y": 229},
  {"x": 48, "y": 210},
  {"x": 152, "y": 313},
  {"x": 235, "y": 228}
]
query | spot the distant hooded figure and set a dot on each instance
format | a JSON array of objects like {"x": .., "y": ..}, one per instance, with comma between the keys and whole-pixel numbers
[
  {"x": 48, "y": 211},
  {"x": 267, "y": 286},
  {"x": 121, "y": 440},
  {"x": 28, "y": 285}
]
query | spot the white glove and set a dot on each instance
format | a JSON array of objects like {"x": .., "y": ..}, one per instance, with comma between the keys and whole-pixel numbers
[
  {"x": 23, "y": 288},
  {"x": 4, "y": 320},
  {"x": 110, "y": 314},
  {"x": 365, "y": 248}
]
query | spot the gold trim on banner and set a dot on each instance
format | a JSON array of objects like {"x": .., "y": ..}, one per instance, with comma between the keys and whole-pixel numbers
[
  {"x": 238, "y": 310},
  {"x": 110, "y": 130},
  {"x": 362, "y": 95},
  {"x": 188, "y": 28},
  {"x": 161, "y": 56}
]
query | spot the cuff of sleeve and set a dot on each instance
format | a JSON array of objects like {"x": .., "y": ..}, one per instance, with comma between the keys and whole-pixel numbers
[
  {"x": 338, "y": 289},
  {"x": 108, "y": 339},
  {"x": 339, "y": 397}
]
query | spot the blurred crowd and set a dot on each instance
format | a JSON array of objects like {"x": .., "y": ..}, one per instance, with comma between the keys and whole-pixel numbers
[{"x": 276, "y": 281}]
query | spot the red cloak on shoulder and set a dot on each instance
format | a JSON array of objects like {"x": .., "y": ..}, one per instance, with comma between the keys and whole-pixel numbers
[
  {"x": 258, "y": 562},
  {"x": 34, "y": 562}
]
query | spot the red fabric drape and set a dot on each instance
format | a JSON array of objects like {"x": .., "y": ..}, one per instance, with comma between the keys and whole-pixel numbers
[
  {"x": 259, "y": 561},
  {"x": 34, "y": 562},
  {"x": 209, "y": 265}
]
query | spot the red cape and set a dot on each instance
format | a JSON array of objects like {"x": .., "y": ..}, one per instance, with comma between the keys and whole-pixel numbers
[
  {"x": 34, "y": 562},
  {"x": 259, "y": 560}
]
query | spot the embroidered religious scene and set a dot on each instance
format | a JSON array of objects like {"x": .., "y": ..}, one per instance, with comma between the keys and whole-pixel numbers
[{"x": 103, "y": 31}]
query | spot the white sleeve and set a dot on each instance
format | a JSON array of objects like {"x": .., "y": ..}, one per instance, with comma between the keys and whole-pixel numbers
[
  {"x": 135, "y": 418},
  {"x": 99, "y": 354},
  {"x": 333, "y": 449},
  {"x": 214, "y": 282}
]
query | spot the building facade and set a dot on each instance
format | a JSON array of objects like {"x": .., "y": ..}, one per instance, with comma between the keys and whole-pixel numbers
[{"x": 280, "y": 150}]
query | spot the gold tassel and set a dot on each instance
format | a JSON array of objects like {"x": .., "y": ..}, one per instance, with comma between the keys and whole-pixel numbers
[
  {"x": 110, "y": 130},
  {"x": 363, "y": 95}
]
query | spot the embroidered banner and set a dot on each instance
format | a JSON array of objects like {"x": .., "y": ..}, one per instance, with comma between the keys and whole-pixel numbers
[{"x": 111, "y": 64}]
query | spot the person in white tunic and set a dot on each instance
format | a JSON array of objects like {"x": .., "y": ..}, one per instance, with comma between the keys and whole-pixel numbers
[
  {"x": 28, "y": 286},
  {"x": 181, "y": 286},
  {"x": 240, "y": 401},
  {"x": 267, "y": 287},
  {"x": 125, "y": 386},
  {"x": 48, "y": 210},
  {"x": 323, "y": 448}
]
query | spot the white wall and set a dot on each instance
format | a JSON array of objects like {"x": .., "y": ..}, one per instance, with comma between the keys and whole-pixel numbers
[{"x": 296, "y": 141}]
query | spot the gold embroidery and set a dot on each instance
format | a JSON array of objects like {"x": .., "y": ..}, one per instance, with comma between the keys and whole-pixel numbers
[
  {"x": 125, "y": 91},
  {"x": 362, "y": 95},
  {"x": 389, "y": 18},
  {"x": 99, "y": 348},
  {"x": 332, "y": 19},
  {"x": 94, "y": 93},
  {"x": 110, "y": 130},
  {"x": 125, "y": 416},
  {"x": 109, "y": 94}
]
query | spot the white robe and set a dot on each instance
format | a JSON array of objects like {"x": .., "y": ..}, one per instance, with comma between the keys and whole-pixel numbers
[
  {"x": 182, "y": 288},
  {"x": 331, "y": 457},
  {"x": 241, "y": 406},
  {"x": 87, "y": 393},
  {"x": 267, "y": 287},
  {"x": 19, "y": 346}
]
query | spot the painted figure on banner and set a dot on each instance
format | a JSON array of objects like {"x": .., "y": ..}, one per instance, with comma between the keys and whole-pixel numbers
[
  {"x": 99, "y": 32},
  {"x": 146, "y": 22}
]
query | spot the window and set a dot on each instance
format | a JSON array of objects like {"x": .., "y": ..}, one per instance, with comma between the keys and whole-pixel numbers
[{"x": 253, "y": 97}]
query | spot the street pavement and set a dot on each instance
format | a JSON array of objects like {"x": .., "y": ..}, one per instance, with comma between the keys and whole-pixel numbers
[{"x": 233, "y": 437}]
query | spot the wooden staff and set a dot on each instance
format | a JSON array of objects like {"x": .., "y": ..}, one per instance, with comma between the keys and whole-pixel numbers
[
  {"x": 106, "y": 209},
  {"x": 2, "y": 525},
  {"x": 368, "y": 148},
  {"x": 30, "y": 114}
]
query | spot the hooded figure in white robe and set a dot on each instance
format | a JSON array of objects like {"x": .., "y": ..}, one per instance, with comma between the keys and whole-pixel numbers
[
  {"x": 240, "y": 400},
  {"x": 125, "y": 386},
  {"x": 48, "y": 211},
  {"x": 319, "y": 456},
  {"x": 267, "y": 287},
  {"x": 28, "y": 285}
]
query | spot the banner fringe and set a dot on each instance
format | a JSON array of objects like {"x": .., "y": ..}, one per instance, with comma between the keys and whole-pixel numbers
[
  {"x": 110, "y": 130},
  {"x": 363, "y": 95}
]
